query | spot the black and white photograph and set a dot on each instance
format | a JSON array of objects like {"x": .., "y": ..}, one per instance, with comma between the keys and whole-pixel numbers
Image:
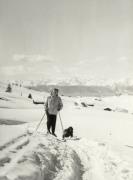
[{"x": 66, "y": 89}]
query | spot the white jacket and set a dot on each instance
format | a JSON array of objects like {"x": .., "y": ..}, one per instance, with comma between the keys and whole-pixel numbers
[{"x": 53, "y": 104}]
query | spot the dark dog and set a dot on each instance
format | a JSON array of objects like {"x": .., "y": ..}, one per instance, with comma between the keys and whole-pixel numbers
[{"x": 68, "y": 132}]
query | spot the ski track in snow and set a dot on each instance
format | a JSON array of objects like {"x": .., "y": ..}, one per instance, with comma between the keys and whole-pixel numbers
[
  {"x": 44, "y": 157},
  {"x": 100, "y": 163},
  {"x": 47, "y": 157}
]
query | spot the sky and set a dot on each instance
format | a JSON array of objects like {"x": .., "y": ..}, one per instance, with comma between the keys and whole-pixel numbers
[{"x": 47, "y": 39}]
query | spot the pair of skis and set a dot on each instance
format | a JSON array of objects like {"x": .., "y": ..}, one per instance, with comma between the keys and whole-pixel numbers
[{"x": 64, "y": 139}]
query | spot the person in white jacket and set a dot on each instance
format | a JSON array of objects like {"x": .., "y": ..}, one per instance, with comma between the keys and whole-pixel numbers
[{"x": 52, "y": 107}]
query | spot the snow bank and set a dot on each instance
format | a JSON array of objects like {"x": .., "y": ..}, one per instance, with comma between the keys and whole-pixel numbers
[
  {"x": 100, "y": 162},
  {"x": 10, "y": 133},
  {"x": 44, "y": 158},
  {"x": 12, "y": 100}
]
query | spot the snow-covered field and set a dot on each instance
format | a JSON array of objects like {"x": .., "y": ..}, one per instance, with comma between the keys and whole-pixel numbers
[{"x": 103, "y": 151}]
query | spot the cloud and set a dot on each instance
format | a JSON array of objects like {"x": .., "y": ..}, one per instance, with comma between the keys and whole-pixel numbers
[
  {"x": 123, "y": 59},
  {"x": 87, "y": 61},
  {"x": 56, "y": 69},
  {"x": 32, "y": 58},
  {"x": 11, "y": 70},
  {"x": 27, "y": 72},
  {"x": 82, "y": 62},
  {"x": 16, "y": 70}
]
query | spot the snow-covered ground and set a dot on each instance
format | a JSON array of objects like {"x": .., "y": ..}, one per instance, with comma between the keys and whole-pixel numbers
[{"x": 104, "y": 150}]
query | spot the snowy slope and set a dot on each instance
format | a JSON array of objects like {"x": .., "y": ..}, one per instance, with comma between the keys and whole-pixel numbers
[
  {"x": 44, "y": 157},
  {"x": 104, "y": 151},
  {"x": 18, "y": 98}
]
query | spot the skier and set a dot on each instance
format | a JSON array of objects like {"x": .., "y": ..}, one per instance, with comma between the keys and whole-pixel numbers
[{"x": 52, "y": 106}]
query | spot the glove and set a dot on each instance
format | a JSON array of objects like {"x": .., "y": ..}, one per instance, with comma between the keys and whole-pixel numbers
[
  {"x": 58, "y": 108},
  {"x": 46, "y": 110}
]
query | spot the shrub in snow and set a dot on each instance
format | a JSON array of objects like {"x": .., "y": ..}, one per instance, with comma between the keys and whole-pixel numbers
[
  {"x": 76, "y": 104},
  {"x": 30, "y": 96},
  {"x": 121, "y": 110},
  {"x": 98, "y": 99},
  {"x": 9, "y": 88},
  {"x": 84, "y": 104},
  {"x": 108, "y": 109},
  {"x": 91, "y": 105}
]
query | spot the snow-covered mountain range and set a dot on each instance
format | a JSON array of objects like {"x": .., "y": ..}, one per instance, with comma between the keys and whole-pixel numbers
[
  {"x": 84, "y": 87},
  {"x": 80, "y": 87},
  {"x": 81, "y": 81},
  {"x": 73, "y": 81}
]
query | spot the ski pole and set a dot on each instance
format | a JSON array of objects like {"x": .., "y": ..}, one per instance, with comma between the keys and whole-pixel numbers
[
  {"x": 61, "y": 122},
  {"x": 39, "y": 122}
]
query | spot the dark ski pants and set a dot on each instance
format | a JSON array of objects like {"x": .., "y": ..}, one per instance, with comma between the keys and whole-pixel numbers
[{"x": 51, "y": 122}]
